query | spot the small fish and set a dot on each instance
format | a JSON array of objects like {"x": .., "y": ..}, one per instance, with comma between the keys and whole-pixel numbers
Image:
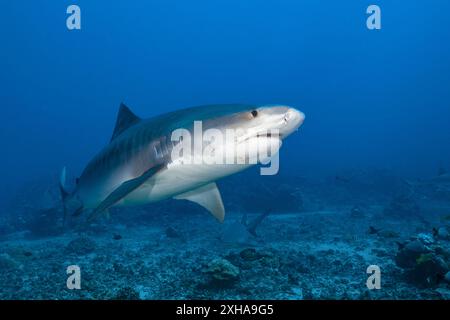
[
  {"x": 27, "y": 254},
  {"x": 117, "y": 236},
  {"x": 373, "y": 230}
]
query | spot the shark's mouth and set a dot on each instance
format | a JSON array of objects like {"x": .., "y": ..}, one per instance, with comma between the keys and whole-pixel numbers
[
  {"x": 269, "y": 135},
  {"x": 262, "y": 134}
]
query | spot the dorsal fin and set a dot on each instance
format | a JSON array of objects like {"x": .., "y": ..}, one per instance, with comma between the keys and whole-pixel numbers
[{"x": 125, "y": 119}]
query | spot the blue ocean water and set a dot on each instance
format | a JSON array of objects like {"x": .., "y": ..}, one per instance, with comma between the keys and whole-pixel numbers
[{"x": 374, "y": 142}]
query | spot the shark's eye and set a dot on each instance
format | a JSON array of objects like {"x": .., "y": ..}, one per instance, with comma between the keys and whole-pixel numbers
[{"x": 254, "y": 113}]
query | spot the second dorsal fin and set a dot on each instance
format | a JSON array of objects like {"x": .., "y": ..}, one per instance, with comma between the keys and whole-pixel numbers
[{"x": 125, "y": 119}]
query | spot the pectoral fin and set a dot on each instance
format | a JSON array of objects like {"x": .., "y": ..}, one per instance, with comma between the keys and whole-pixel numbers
[
  {"x": 123, "y": 190},
  {"x": 207, "y": 196}
]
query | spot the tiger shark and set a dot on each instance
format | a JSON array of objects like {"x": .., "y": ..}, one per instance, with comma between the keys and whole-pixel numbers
[{"x": 138, "y": 165}]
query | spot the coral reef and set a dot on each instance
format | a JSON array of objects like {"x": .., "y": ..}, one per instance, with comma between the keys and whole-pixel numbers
[
  {"x": 175, "y": 250},
  {"x": 424, "y": 261}
]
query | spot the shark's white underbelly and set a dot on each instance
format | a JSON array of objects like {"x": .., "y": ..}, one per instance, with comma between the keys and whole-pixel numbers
[{"x": 176, "y": 180}]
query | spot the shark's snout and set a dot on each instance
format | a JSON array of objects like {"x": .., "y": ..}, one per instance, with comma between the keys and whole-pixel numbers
[
  {"x": 293, "y": 119},
  {"x": 283, "y": 118}
]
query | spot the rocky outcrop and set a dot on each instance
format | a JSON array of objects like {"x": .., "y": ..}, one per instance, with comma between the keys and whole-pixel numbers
[
  {"x": 82, "y": 245},
  {"x": 222, "y": 271}
]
